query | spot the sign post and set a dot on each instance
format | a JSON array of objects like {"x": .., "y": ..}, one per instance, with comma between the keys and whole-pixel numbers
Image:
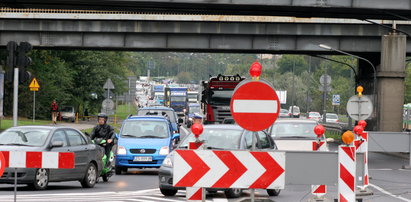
[
  {"x": 108, "y": 104},
  {"x": 34, "y": 86}
]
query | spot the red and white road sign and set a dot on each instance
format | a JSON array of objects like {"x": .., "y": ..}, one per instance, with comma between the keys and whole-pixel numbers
[
  {"x": 255, "y": 105},
  {"x": 346, "y": 173},
  {"x": 229, "y": 169},
  {"x": 28, "y": 159},
  {"x": 2, "y": 164}
]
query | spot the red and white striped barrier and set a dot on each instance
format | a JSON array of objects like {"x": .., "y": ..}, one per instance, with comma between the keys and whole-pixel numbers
[
  {"x": 2, "y": 164},
  {"x": 319, "y": 190},
  {"x": 346, "y": 173},
  {"x": 33, "y": 159},
  {"x": 195, "y": 194},
  {"x": 362, "y": 146}
]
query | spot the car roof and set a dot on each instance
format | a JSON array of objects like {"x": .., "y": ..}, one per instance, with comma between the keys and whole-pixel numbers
[
  {"x": 291, "y": 120},
  {"x": 223, "y": 126},
  {"x": 42, "y": 127},
  {"x": 157, "y": 108},
  {"x": 156, "y": 118}
]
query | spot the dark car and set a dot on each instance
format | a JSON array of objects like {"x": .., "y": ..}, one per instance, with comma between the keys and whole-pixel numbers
[
  {"x": 162, "y": 111},
  {"x": 52, "y": 139},
  {"x": 219, "y": 137}
]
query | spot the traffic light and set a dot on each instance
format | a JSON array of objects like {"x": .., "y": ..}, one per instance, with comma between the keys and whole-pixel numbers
[
  {"x": 22, "y": 59},
  {"x": 11, "y": 57}
]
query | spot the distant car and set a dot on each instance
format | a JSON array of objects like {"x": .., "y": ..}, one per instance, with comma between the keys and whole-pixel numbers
[
  {"x": 294, "y": 112},
  {"x": 88, "y": 156},
  {"x": 68, "y": 113},
  {"x": 162, "y": 111},
  {"x": 144, "y": 142},
  {"x": 294, "y": 134},
  {"x": 314, "y": 115},
  {"x": 219, "y": 137},
  {"x": 332, "y": 118},
  {"x": 284, "y": 114}
]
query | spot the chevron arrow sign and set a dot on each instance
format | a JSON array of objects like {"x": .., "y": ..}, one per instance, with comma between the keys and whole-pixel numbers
[{"x": 229, "y": 169}]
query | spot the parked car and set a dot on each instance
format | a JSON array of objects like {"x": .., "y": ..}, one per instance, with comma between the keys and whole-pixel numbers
[
  {"x": 68, "y": 113},
  {"x": 295, "y": 134},
  {"x": 144, "y": 142},
  {"x": 284, "y": 114},
  {"x": 314, "y": 116},
  {"x": 167, "y": 112},
  {"x": 331, "y": 118},
  {"x": 220, "y": 137},
  {"x": 294, "y": 112},
  {"x": 88, "y": 156}
]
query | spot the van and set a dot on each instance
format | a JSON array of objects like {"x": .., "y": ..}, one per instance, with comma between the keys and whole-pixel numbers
[{"x": 294, "y": 111}]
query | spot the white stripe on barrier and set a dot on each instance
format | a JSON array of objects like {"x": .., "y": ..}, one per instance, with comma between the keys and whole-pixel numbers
[
  {"x": 255, "y": 106},
  {"x": 50, "y": 160},
  {"x": 18, "y": 159},
  {"x": 248, "y": 161},
  {"x": 217, "y": 170}
]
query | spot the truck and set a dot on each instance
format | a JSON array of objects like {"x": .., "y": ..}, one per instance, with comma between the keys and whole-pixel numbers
[
  {"x": 157, "y": 93},
  {"x": 176, "y": 98},
  {"x": 216, "y": 96},
  {"x": 192, "y": 97}
]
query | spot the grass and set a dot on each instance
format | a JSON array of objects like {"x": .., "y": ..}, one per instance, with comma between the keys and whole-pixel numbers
[
  {"x": 123, "y": 111},
  {"x": 7, "y": 123}
]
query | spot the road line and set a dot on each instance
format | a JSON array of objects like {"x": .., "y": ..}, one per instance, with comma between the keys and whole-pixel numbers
[
  {"x": 388, "y": 193},
  {"x": 154, "y": 198}
]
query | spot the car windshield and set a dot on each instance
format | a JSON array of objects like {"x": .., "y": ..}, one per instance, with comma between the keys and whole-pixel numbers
[
  {"x": 67, "y": 109},
  {"x": 296, "y": 109},
  {"x": 283, "y": 111},
  {"x": 221, "y": 96},
  {"x": 332, "y": 116},
  {"x": 192, "y": 96},
  {"x": 314, "y": 114},
  {"x": 144, "y": 129},
  {"x": 195, "y": 109},
  {"x": 24, "y": 137},
  {"x": 178, "y": 98},
  {"x": 166, "y": 113},
  {"x": 284, "y": 130},
  {"x": 216, "y": 138}
]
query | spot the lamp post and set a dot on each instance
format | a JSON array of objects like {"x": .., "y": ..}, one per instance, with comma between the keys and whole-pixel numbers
[{"x": 361, "y": 58}]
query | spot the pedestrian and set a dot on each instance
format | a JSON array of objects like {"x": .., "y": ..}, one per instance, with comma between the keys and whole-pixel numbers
[{"x": 54, "y": 109}]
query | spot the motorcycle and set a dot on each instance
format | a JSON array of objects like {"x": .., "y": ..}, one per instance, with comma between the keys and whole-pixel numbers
[{"x": 107, "y": 169}]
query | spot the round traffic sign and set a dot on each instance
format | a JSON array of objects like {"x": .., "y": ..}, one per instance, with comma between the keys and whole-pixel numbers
[
  {"x": 359, "y": 108},
  {"x": 108, "y": 104},
  {"x": 2, "y": 164},
  {"x": 255, "y": 105}
]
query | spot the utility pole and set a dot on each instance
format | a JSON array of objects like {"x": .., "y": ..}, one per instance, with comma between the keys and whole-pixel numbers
[
  {"x": 292, "y": 95},
  {"x": 325, "y": 94},
  {"x": 309, "y": 84}
]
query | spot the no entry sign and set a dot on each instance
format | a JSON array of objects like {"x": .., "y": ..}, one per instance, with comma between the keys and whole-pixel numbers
[
  {"x": 255, "y": 105},
  {"x": 2, "y": 164}
]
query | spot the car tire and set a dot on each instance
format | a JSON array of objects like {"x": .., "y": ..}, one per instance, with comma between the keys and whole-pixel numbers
[
  {"x": 273, "y": 192},
  {"x": 41, "y": 179},
  {"x": 90, "y": 178},
  {"x": 168, "y": 192},
  {"x": 233, "y": 193}
]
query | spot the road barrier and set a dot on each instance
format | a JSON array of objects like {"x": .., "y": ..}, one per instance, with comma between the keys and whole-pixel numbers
[
  {"x": 29, "y": 159},
  {"x": 346, "y": 173}
]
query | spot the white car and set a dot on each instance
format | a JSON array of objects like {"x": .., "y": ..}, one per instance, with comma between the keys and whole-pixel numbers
[
  {"x": 295, "y": 134},
  {"x": 331, "y": 118}
]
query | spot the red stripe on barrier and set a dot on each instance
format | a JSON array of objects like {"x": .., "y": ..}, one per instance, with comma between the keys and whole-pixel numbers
[
  {"x": 342, "y": 199},
  {"x": 347, "y": 177},
  {"x": 235, "y": 169},
  {"x": 272, "y": 170},
  {"x": 320, "y": 190},
  {"x": 6, "y": 155},
  {"x": 198, "y": 168},
  {"x": 33, "y": 160},
  {"x": 198, "y": 195},
  {"x": 66, "y": 160},
  {"x": 350, "y": 152},
  {"x": 366, "y": 180}
]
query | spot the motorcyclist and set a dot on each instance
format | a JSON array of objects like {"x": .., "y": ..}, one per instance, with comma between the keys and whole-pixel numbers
[{"x": 105, "y": 131}]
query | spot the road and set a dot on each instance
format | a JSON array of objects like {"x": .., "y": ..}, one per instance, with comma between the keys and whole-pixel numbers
[{"x": 388, "y": 182}]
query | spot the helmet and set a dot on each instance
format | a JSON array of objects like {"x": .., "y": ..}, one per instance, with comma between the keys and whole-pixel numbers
[
  {"x": 102, "y": 115},
  {"x": 197, "y": 116}
]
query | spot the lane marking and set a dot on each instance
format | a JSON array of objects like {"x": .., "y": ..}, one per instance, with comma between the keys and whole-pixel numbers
[{"x": 388, "y": 193}]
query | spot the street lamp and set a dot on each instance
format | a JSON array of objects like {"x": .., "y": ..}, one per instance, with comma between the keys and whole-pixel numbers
[{"x": 361, "y": 58}]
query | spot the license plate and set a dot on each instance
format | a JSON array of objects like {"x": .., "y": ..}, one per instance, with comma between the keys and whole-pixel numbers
[{"x": 143, "y": 158}]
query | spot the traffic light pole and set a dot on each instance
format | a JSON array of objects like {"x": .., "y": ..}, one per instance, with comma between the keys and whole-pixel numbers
[{"x": 15, "y": 95}]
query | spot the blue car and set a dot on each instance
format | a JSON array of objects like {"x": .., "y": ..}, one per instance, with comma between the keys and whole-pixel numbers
[{"x": 144, "y": 142}]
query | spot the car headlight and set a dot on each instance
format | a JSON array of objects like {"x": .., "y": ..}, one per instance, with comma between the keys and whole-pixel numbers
[
  {"x": 121, "y": 150},
  {"x": 164, "y": 150},
  {"x": 167, "y": 162}
]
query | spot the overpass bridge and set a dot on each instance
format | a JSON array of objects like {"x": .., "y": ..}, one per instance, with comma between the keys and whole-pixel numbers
[
  {"x": 356, "y": 9},
  {"x": 202, "y": 33}
]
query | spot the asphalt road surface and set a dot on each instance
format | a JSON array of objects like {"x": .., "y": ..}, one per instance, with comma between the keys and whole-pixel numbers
[{"x": 388, "y": 182}]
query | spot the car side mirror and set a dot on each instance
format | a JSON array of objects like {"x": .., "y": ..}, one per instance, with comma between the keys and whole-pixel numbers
[
  {"x": 330, "y": 139},
  {"x": 176, "y": 136},
  {"x": 180, "y": 120},
  {"x": 57, "y": 144}
]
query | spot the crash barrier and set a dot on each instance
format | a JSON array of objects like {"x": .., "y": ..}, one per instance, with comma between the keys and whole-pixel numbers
[
  {"x": 319, "y": 190},
  {"x": 390, "y": 142},
  {"x": 195, "y": 193},
  {"x": 33, "y": 159}
]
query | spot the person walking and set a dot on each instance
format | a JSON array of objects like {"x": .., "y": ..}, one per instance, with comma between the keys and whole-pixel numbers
[{"x": 54, "y": 109}]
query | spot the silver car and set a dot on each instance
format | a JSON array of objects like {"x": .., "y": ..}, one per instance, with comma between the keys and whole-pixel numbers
[{"x": 55, "y": 139}]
